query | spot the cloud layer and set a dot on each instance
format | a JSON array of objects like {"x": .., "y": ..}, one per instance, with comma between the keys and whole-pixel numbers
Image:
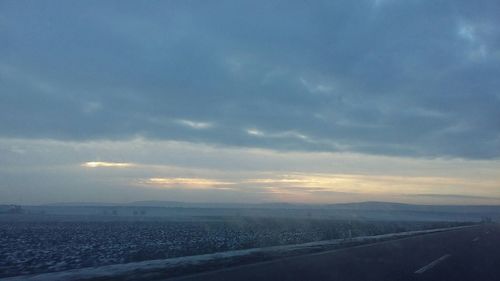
[
  {"x": 411, "y": 78},
  {"x": 47, "y": 171}
]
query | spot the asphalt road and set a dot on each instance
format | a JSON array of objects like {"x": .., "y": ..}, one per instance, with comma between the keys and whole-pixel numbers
[{"x": 460, "y": 255}]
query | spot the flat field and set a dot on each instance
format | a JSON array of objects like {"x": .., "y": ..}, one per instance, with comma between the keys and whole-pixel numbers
[{"x": 34, "y": 244}]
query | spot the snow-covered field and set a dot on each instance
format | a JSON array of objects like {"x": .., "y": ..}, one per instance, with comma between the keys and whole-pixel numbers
[{"x": 33, "y": 246}]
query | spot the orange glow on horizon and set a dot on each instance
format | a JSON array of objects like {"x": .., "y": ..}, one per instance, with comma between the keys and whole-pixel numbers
[
  {"x": 184, "y": 182},
  {"x": 98, "y": 164}
]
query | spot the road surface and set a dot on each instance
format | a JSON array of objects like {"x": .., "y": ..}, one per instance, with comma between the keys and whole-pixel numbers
[{"x": 459, "y": 255}]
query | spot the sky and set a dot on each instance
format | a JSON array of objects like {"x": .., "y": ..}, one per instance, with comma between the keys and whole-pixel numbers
[{"x": 250, "y": 101}]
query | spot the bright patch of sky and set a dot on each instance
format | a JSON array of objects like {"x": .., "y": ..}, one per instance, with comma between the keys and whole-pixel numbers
[{"x": 185, "y": 171}]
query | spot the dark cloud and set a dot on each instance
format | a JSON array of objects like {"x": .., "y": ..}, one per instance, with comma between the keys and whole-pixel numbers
[{"x": 415, "y": 78}]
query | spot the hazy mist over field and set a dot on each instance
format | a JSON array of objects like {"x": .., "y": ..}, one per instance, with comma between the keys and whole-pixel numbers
[{"x": 250, "y": 102}]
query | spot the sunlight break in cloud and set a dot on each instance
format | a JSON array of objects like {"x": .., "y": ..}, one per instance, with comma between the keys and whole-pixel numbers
[
  {"x": 184, "y": 182},
  {"x": 195, "y": 125},
  {"x": 255, "y": 132},
  {"x": 285, "y": 134},
  {"x": 98, "y": 164},
  {"x": 370, "y": 184}
]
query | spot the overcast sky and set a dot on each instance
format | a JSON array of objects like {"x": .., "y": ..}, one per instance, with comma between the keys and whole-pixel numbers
[{"x": 250, "y": 101}]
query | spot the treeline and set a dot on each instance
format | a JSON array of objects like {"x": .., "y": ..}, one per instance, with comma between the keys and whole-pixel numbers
[{"x": 11, "y": 209}]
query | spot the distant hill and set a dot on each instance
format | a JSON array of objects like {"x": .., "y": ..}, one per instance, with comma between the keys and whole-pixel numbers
[
  {"x": 357, "y": 211},
  {"x": 177, "y": 204},
  {"x": 11, "y": 209}
]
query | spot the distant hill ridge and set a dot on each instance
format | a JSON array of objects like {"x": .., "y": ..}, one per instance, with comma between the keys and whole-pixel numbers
[
  {"x": 367, "y": 205},
  {"x": 371, "y": 210}
]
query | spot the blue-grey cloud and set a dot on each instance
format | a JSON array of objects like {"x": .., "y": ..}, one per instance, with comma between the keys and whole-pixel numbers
[{"x": 416, "y": 78}]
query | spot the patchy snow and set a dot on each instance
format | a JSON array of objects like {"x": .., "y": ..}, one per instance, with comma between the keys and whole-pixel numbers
[{"x": 163, "y": 265}]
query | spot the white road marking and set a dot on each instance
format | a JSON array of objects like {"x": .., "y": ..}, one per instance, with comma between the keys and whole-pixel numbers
[
  {"x": 432, "y": 264},
  {"x": 475, "y": 239}
]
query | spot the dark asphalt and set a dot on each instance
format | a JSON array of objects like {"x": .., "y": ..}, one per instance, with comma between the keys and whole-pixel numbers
[{"x": 460, "y": 255}]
